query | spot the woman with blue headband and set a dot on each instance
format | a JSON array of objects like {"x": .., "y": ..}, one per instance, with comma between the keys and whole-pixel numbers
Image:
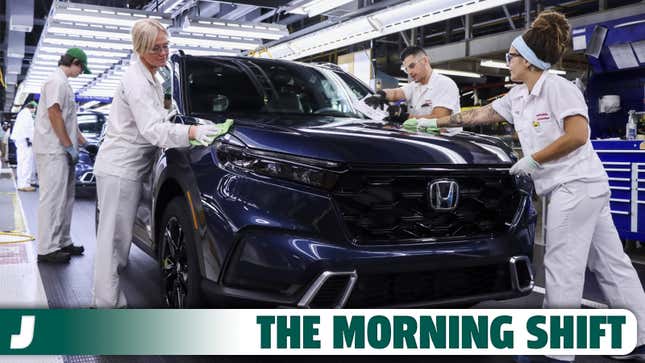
[{"x": 550, "y": 116}]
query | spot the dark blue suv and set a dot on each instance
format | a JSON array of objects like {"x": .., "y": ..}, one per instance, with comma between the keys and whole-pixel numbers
[{"x": 306, "y": 203}]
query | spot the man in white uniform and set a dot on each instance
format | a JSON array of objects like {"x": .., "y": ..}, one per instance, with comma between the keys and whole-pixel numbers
[
  {"x": 23, "y": 135},
  {"x": 429, "y": 95},
  {"x": 56, "y": 143}
]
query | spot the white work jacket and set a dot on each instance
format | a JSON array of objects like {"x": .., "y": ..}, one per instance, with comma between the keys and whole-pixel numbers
[
  {"x": 24, "y": 126},
  {"x": 440, "y": 91},
  {"x": 56, "y": 90},
  {"x": 538, "y": 118},
  {"x": 136, "y": 127}
]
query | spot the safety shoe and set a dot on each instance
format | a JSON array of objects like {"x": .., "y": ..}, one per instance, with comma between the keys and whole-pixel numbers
[
  {"x": 27, "y": 189},
  {"x": 55, "y": 257},
  {"x": 73, "y": 250},
  {"x": 537, "y": 359},
  {"x": 637, "y": 355}
]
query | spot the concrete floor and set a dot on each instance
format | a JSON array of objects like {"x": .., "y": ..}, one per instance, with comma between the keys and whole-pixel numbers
[{"x": 69, "y": 286}]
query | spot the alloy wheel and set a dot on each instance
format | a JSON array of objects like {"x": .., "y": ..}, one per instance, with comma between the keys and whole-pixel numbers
[{"x": 175, "y": 264}]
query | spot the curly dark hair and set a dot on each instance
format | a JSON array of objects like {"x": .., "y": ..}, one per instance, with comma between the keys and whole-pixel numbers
[{"x": 549, "y": 36}]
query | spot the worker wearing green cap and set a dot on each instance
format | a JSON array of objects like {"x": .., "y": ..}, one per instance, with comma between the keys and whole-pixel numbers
[{"x": 56, "y": 140}]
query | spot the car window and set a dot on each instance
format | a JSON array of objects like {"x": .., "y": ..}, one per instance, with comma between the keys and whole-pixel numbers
[
  {"x": 259, "y": 86},
  {"x": 215, "y": 87},
  {"x": 359, "y": 89},
  {"x": 89, "y": 124}
]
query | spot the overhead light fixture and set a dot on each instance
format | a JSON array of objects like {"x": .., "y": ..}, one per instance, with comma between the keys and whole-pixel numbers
[
  {"x": 93, "y": 14},
  {"x": 96, "y": 52},
  {"x": 235, "y": 29},
  {"x": 450, "y": 72},
  {"x": 89, "y": 30},
  {"x": 56, "y": 57},
  {"x": 86, "y": 42},
  {"x": 180, "y": 39},
  {"x": 316, "y": 7},
  {"x": 408, "y": 15},
  {"x": 558, "y": 71},
  {"x": 493, "y": 64}
]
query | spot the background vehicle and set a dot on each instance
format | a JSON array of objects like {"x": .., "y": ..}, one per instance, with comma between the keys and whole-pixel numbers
[
  {"x": 91, "y": 125},
  {"x": 306, "y": 203}
]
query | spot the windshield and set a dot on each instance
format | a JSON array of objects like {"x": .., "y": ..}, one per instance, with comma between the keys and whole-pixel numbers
[
  {"x": 89, "y": 124},
  {"x": 261, "y": 86}
]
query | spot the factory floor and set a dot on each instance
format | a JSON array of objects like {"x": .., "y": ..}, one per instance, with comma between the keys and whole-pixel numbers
[{"x": 69, "y": 286}]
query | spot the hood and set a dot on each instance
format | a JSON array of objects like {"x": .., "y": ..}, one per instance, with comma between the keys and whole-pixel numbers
[{"x": 358, "y": 141}]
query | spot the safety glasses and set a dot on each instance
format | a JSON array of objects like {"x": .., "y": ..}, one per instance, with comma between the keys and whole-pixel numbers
[
  {"x": 158, "y": 49},
  {"x": 509, "y": 57}
]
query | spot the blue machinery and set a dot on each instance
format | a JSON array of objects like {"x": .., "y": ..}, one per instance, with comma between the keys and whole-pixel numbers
[{"x": 624, "y": 162}]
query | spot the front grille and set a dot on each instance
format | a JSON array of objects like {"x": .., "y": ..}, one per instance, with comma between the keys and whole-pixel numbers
[
  {"x": 393, "y": 207},
  {"x": 428, "y": 286}
]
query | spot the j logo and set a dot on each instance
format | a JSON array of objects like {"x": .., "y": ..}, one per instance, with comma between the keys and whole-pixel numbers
[{"x": 23, "y": 340}]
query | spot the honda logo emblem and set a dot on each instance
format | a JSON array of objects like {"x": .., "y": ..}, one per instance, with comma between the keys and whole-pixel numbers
[{"x": 444, "y": 195}]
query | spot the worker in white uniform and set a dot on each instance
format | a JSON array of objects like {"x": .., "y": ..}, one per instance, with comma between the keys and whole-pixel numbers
[
  {"x": 23, "y": 136},
  {"x": 56, "y": 140},
  {"x": 428, "y": 95},
  {"x": 550, "y": 116},
  {"x": 138, "y": 126}
]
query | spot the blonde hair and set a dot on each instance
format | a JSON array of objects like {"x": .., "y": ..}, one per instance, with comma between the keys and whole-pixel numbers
[{"x": 144, "y": 34}]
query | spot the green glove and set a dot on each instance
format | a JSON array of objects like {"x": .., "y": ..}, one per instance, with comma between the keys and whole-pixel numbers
[
  {"x": 430, "y": 130},
  {"x": 417, "y": 125},
  {"x": 206, "y": 134}
]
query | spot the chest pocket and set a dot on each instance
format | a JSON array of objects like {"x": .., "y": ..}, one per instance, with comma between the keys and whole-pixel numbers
[{"x": 545, "y": 130}]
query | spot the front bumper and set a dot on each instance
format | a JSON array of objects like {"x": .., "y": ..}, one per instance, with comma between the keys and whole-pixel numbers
[{"x": 278, "y": 268}]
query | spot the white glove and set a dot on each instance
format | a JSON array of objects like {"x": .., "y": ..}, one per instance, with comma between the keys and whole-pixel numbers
[
  {"x": 525, "y": 166},
  {"x": 206, "y": 134}
]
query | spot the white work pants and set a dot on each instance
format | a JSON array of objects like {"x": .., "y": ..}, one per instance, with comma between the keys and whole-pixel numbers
[
  {"x": 581, "y": 233},
  {"x": 25, "y": 169},
  {"x": 118, "y": 199},
  {"x": 55, "y": 202}
]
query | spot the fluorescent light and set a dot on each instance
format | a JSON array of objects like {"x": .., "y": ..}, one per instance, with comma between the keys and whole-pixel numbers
[
  {"x": 408, "y": 15},
  {"x": 502, "y": 65},
  {"x": 115, "y": 53},
  {"x": 90, "y": 104},
  {"x": 86, "y": 30},
  {"x": 78, "y": 41},
  {"x": 56, "y": 57},
  {"x": 92, "y": 14},
  {"x": 493, "y": 64},
  {"x": 235, "y": 29},
  {"x": 557, "y": 71},
  {"x": 451, "y": 72},
  {"x": 317, "y": 7},
  {"x": 213, "y": 41}
]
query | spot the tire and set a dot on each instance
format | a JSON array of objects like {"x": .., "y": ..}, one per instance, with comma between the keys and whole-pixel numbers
[{"x": 180, "y": 275}]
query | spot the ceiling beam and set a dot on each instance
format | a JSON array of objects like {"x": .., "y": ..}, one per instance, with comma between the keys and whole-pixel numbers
[{"x": 500, "y": 42}]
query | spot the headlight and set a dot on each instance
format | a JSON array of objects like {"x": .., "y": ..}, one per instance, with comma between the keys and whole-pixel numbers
[{"x": 313, "y": 172}]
